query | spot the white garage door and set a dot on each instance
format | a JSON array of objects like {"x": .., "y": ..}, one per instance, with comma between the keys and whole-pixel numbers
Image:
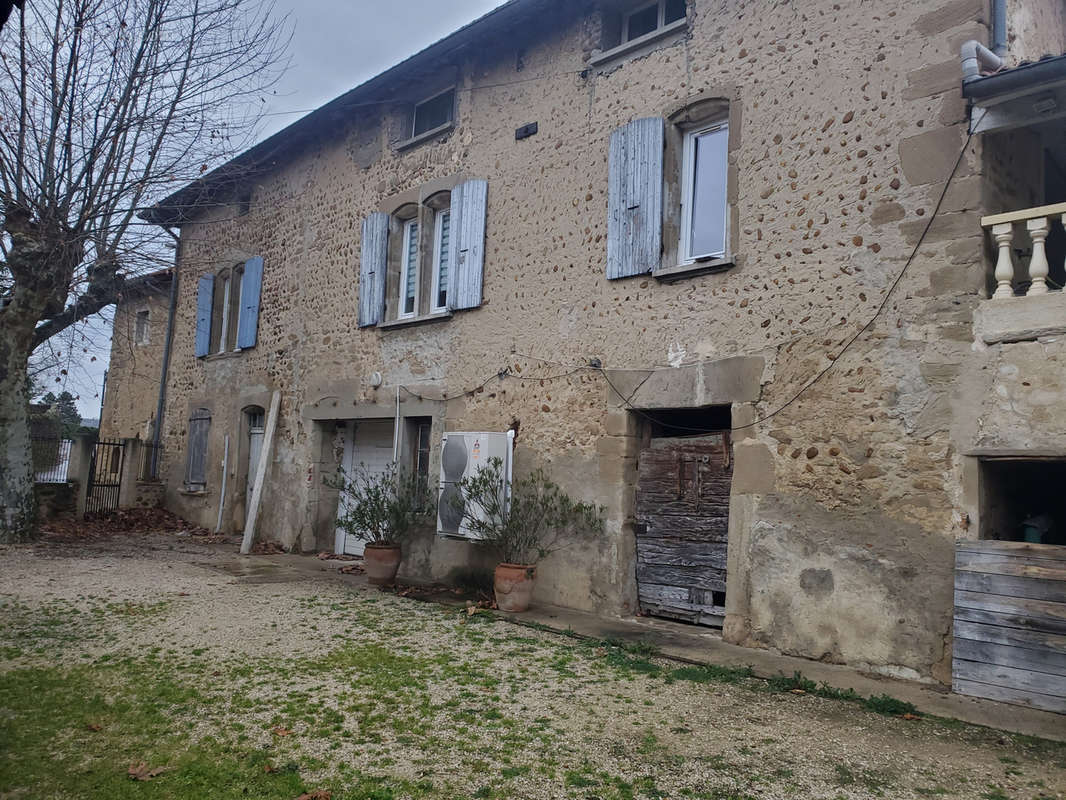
[{"x": 367, "y": 445}]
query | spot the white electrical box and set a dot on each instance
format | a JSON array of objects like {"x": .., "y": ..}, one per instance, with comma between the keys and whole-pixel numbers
[{"x": 463, "y": 453}]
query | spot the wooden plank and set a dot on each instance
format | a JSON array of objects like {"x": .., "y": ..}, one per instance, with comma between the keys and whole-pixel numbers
[
  {"x": 679, "y": 604},
  {"x": 1005, "y": 694},
  {"x": 1034, "y": 588},
  {"x": 1008, "y": 656},
  {"x": 266, "y": 456},
  {"x": 666, "y": 553},
  {"x": 1014, "y": 637},
  {"x": 1010, "y": 677},
  {"x": 685, "y": 528},
  {"x": 683, "y": 577},
  {"x": 978, "y": 552},
  {"x": 1012, "y": 621},
  {"x": 1019, "y": 567},
  {"x": 1035, "y": 612}
]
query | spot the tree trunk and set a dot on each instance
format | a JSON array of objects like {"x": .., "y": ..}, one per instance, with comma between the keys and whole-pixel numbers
[{"x": 18, "y": 506}]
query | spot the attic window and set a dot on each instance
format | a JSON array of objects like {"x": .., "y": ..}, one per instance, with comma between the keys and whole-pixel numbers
[
  {"x": 648, "y": 19},
  {"x": 436, "y": 112}
]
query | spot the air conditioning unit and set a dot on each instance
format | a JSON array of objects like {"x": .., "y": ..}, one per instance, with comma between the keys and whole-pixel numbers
[{"x": 463, "y": 453}]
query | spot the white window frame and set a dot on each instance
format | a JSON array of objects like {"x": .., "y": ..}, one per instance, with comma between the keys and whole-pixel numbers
[
  {"x": 438, "y": 233},
  {"x": 137, "y": 337},
  {"x": 223, "y": 338},
  {"x": 407, "y": 265},
  {"x": 688, "y": 180},
  {"x": 660, "y": 22}
]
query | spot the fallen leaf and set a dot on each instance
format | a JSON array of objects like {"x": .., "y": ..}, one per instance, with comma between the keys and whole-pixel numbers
[
  {"x": 95, "y": 726},
  {"x": 317, "y": 794},
  {"x": 798, "y": 691},
  {"x": 141, "y": 771},
  {"x": 908, "y": 715},
  {"x": 281, "y": 730},
  {"x": 471, "y": 610},
  {"x": 269, "y": 768}
]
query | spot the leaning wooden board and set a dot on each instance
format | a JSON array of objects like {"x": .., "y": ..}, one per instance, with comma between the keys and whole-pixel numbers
[
  {"x": 1010, "y": 623},
  {"x": 682, "y": 527}
]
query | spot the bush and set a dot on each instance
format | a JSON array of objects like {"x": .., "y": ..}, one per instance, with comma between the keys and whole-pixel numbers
[
  {"x": 527, "y": 519},
  {"x": 382, "y": 507}
]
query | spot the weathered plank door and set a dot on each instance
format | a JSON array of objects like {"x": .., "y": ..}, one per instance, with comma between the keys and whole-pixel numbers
[
  {"x": 1010, "y": 623},
  {"x": 682, "y": 527}
]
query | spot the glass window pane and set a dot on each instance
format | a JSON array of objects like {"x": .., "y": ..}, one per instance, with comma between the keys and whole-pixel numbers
[
  {"x": 642, "y": 22},
  {"x": 434, "y": 113},
  {"x": 675, "y": 10},
  {"x": 442, "y": 270},
  {"x": 709, "y": 176},
  {"x": 411, "y": 269}
]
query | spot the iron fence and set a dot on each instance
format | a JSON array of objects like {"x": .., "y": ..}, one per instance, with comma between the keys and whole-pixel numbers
[
  {"x": 105, "y": 476},
  {"x": 51, "y": 459}
]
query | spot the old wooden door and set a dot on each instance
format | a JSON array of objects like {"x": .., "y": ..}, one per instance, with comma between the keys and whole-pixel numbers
[{"x": 682, "y": 527}]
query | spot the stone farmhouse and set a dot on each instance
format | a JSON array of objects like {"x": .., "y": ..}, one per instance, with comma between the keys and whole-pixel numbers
[{"x": 776, "y": 283}]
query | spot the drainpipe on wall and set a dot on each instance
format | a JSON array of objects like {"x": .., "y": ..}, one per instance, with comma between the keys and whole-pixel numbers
[
  {"x": 974, "y": 56},
  {"x": 999, "y": 27},
  {"x": 157, "y": 434}
]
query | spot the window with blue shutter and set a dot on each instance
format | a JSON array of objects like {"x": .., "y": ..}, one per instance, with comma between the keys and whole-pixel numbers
[
  {"x": 635, "y": 198},
  {"x": 441, "y": 254},
  {"x": 466, "y": 257},
  {"x": 248, "y": 314},
  {"x": 205, "y": 295}
]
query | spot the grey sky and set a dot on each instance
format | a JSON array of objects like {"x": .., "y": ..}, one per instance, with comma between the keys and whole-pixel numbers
[{"x": 336, "y": 45}]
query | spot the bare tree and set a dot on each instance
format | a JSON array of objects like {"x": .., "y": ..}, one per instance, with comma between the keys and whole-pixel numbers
[{"x": 106, "y": 106}]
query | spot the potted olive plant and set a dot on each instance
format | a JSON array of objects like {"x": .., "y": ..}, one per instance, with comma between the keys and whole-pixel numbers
[
  {"x": 383, "y": 509},
  {"x": 524, "y": 521}
]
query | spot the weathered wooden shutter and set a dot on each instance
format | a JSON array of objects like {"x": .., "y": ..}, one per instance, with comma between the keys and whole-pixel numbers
[
  {"x": 196, "y": 457},
  {"x": 373, "y": 268},
  {"x": 251, "y": 287},
  {"x": 205, "y": 295},
  {"x": 635, "y": 198},
  {"x": 467, "y": 254}
]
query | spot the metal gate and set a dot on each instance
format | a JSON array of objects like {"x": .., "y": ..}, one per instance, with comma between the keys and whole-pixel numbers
[{"x": 105, "y": 476}]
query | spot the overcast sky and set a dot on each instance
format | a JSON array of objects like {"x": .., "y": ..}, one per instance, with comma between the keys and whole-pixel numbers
[{"x": 336, "y": 45}]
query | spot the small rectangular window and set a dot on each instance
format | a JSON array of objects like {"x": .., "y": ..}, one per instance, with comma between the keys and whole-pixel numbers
[
  {"x": 650, "y": 18},
  {"x": 434, "y": 113},
  {"x": 704, "y": 218},
  {"x": 140, "y": 334},
  {"x": 409, "y": 272},
  {"x": 441, "y": 243},
  {"x": 421, "y": 454}
]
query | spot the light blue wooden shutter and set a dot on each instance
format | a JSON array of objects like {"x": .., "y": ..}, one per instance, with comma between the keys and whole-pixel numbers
[
  {"x": 466, "y": 259},
  {"x": 635, "y": 198},
  {"x": 251, "y": 287},
  {"x": 205, "y": 295},
  {"x": 372, "y": 269}
]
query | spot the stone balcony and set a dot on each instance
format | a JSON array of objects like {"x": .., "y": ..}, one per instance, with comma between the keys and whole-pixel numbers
[{"x": 1028, "y": 302}]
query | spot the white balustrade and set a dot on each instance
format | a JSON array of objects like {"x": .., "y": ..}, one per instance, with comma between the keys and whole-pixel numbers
[{"x": 1037, "y": 224}]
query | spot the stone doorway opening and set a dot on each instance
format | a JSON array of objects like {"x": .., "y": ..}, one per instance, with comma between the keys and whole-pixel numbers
[{"x": 684, "y": 478}]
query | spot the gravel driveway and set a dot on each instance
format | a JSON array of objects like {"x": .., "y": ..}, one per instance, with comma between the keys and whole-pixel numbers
[{"x": 243, "y": 678}]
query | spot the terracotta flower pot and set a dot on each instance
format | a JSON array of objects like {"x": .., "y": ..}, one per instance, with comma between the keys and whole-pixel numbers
[
  {"x": 514, "y": 586},
  {"x": 381, "y": 562}
]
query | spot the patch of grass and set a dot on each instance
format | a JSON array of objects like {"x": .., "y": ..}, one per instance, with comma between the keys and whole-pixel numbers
[
  {"x": 883, "y": 704},
  {"x": 712, "y": 673}
]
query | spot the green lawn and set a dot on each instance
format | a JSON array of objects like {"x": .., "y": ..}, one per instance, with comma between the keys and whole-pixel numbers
[{"x": 268, "y": 691}]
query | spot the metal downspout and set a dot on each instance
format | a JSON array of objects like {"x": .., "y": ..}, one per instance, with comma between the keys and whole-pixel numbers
[
  {"x": 157, "y": 434},
  {"x": 999, "y": 27}
]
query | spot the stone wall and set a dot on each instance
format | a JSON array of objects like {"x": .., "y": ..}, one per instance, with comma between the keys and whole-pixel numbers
[
  {"x": 133, "y": 374},
  {"x": 846, "y": 499},
  {"x": 1035, "y": 28}
]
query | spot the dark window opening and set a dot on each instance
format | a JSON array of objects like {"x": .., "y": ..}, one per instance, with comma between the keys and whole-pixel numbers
[
  {"x": 686, "y": 421},
  {"x": 419, "y": 444},
  {"x": 1021, "y": 501},
  {"x": 1055, "y": 192},
  {"x": 434, "y": 113},
  {"x": 643, "y": 22},
  {"x": 673, "y": 11}
]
